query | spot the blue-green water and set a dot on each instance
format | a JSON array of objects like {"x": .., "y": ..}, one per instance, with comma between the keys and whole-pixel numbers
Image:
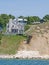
[{"x": 23, "y": 62}]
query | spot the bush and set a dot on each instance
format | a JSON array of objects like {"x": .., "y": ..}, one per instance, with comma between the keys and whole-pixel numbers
[
  {"x": 0, "y": 37},
  {"x": 27, "y": 27}
]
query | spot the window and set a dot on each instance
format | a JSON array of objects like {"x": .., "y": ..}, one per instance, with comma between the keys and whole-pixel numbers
[
  {"x": 14, "y": 30},
  {"x": 12, "y": 25}
]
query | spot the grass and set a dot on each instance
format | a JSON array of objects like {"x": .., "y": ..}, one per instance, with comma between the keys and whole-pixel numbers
[
  {"x": 27, "y": 27},
  {"x": 10, "y": 43},
  {"x": 37, "y": 28}
]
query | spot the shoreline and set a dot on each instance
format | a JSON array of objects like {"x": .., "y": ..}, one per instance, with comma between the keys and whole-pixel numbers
[{"x": 25, "y": 55}]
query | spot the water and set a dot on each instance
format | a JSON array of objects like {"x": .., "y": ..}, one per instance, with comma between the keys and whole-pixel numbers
[{"x": 23, "y": 62}]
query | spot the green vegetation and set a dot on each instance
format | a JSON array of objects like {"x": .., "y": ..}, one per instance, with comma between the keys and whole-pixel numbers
[
  {"x": 27, "y": 27},
  {"x": 10, "y": 43},
  {"x": 0, "y": 37},
  {"x": 46, "y": 17},
  {"x": 31, "y": 19},
  {"x": 4, "y": 18},
  {"x": 38, "y": 29}
]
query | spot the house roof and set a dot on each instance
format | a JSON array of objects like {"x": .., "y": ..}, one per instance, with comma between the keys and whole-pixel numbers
[
  {"x": 17, "y": 21},
  {"x": 20, "y": 19}
]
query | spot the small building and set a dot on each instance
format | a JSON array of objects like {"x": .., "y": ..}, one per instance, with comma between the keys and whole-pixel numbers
[{"x": 16, "y": 26}]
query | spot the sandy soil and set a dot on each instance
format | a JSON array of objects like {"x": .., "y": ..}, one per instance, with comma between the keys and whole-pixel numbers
[{"x": 39, "y": 42}]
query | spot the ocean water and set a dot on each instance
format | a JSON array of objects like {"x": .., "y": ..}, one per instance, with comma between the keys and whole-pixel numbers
[{"x": 23, "y": 62}]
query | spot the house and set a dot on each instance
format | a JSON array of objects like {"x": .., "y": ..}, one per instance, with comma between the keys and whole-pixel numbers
[{"x": 16, "y": 26}]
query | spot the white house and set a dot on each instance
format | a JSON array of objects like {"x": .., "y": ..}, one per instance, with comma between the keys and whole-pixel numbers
[{"x": 16, "y": 26}]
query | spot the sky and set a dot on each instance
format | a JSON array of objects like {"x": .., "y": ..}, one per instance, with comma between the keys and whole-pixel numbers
[{"x": 25, "y": 7}]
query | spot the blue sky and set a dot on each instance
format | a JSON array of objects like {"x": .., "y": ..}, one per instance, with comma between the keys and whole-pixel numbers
[{"x": 25, "y": 7}]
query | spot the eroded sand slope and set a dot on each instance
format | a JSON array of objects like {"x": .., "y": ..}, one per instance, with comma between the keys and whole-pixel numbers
[{"x": 39, "y": 41}]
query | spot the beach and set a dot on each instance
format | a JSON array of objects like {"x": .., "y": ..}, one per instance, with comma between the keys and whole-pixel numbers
[{"x": 25, "y": 54}]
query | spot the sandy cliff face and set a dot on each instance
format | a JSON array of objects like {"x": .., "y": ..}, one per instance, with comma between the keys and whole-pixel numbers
[{"x": 39, "y": 42}]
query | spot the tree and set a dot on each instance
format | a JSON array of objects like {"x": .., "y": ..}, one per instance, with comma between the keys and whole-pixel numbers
[
  {"x": 11, "y": 16},
  {"x": 28, "y": 20},
  {"x": 32, "y": 19},
  {"x": 4, "y": 19},
  {"x": 36, "y": 18},
  {"x": 0, "y": 37},
  {"x": 46, "y": 17},
  {"x": 1, "y": 22},
  {"x": 21, "y": 17}
]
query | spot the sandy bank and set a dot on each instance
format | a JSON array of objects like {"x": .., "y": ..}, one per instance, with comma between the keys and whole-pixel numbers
[{"x": 26, "y": 54}]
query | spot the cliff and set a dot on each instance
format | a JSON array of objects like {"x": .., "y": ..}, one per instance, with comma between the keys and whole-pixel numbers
[{"x": 39, "y": 41}]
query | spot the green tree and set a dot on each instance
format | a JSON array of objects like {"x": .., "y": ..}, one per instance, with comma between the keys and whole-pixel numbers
[
  {"x": 21, "y": 17},
  {"x": 0, "y": 37},
  {"x": 46, "y": 17},
  {"x": 1, "y": 22},
  {"x": 4, "y": 19},
  {"x": 11, "y": 16},
  {"x": 36, "y": 18},
  {"x": 28, "y": 20},
  {"x": 32, "y": 19}
]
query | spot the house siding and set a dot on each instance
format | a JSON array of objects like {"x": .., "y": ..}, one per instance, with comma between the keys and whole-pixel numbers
[{"x": 14, "y": 26}]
